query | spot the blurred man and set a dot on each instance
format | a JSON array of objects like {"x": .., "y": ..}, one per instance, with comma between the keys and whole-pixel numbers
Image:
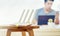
[{"x": 46, "y": 10}]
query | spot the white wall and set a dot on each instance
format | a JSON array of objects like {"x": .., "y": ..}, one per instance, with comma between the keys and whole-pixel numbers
[{"x": 10, "y": 10}]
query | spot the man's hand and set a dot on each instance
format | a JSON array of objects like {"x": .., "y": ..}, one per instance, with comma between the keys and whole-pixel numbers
[{"x": 34, "y": 21}]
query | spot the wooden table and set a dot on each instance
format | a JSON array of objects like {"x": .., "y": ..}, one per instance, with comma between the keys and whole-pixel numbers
[{"x": 22, "y": 29}]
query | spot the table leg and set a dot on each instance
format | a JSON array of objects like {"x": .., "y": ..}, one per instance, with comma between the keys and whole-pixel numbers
[
  {"x": 31, "y": 33},
  {"x": 23, "y": 33},
  {"x": 8, "y": 33}
]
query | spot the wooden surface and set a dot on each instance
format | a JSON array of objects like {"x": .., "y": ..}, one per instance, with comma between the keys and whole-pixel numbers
[
  {"x": 22, "y": 29},
  {"x": 15, "y": 27}
]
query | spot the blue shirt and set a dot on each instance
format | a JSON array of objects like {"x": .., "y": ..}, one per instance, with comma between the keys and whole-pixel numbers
[{"x": 42, "y": 12}]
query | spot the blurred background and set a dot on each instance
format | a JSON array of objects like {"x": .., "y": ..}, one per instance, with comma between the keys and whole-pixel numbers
[{"x": 11, "y": 10}]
